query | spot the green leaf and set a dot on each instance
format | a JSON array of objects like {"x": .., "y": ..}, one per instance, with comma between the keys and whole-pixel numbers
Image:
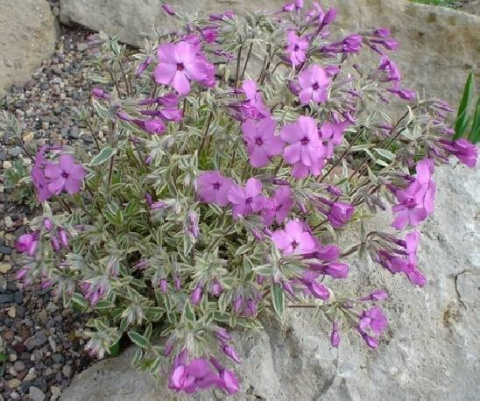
[
  {"x": 462, "y": 120},
  {"x": 474, "y": 136},
  {"x": 104, "y": 155},
  {"x": 114, "y": 350},
  {"x": 385, "y": 153},
  {"x": 138, "y": 339},
  {"x": 79, "y": 302},
  {"x": 3, "y": 357},
  {"x": 188, "y": 313},
  {"x": 278, "y": 300}
]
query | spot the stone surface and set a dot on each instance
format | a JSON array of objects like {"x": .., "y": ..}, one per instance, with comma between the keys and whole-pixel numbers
[
  {"x": 438, "y": 45},
  {"x": 473, "y": 7},
  {"x": 27, "y": 36},
  {"x": 431, "y": 350}
]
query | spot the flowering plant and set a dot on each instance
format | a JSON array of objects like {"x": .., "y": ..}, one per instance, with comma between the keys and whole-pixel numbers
[{"x": 238, "y": 148}]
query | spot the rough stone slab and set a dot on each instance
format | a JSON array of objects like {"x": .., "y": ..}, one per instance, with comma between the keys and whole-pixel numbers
[
  {"x": 431, "y": 350},
  {"x": 27, "y": 36},
  {"x": 439, "y": 46}
]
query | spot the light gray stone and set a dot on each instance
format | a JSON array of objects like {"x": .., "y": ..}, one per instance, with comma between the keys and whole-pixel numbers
[
  {"x": 27, "y": 36},
  {"x": 438, "y": 46},
  {"x": 431, "y": 350}
]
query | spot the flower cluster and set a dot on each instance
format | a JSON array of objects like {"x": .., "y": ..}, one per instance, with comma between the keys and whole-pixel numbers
[{"x": 222, "y": 183}]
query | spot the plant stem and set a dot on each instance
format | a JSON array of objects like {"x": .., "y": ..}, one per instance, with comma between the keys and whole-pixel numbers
[
  {"x": 359, "y": 134},
  {"x": 239, "y": 59},
  {"x": 247, "y": 60},
  {"x": 205, "y": 132}
]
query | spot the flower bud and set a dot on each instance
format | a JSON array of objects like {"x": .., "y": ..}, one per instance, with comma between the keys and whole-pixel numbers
[
  {"x": 335, "y": 336},
  {"x": 230, "y": 352},
  {"x": 168, "y": 9},
  {"x": 196, "y": 295},
  {"x": 47, "y": 224}
]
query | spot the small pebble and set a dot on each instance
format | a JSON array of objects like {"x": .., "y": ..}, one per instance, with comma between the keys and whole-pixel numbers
[{"x": 36, "y": 394}]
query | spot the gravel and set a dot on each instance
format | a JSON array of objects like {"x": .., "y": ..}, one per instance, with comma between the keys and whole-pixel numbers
[{"x": 41, "y": 341}]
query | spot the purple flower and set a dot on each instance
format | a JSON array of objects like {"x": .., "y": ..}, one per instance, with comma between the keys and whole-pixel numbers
[
  {"x": 373, "y": 320},
  {"x": 229, "y": 381},
  {"x": 231, "y": 353},
  {"x": 305, "y": 150},
  {"x": 404, "y": 94},
  {"x": 463, "y": 149},
  {"x": 335, "y": 336},
  {"x": 210, "y": 34},
  {"x": 196, "y": 295},
  {"x": 278, "y": 207},
  {"x": 27, "y": 243},
  {"x": 248, "y": 199},
  {"x": 376, "y": 295},
  {"x": 312, "y": 287},
  {"x": 253, "y": 107},
  {"x": 340, "y": 213},
  {"x": 297, "y": 48},
  {"x": 40, "y": 182},
  {"x": 314, "y": 84},
  {"x": 416, "y": 201},
  {"x": 178, "y": 65},
  {"x": 262, "y": 143},
  {"x": 294, "y": 239},
  {"x": 155, "y": 126},
  {"x": 214, "y": 187},
  {"x": 392, "y": 73},
  {"x": 333, "y": 269},
  {"x": 99, "y": 93},
  {"x": 65, "y": 175},
  {"x": 350, "y": 44},
  {"x": 297, "y": 5},
  {"x": 168, "y": 9}
]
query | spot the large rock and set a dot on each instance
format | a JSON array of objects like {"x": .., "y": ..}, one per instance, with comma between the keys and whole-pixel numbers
[
  {"x": 27, "y": 36},
  {"x": 438, "y": 45},
  {"x": 430, "y": 352}
]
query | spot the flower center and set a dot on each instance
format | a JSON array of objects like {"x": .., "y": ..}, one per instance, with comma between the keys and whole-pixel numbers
[
  {"x": 294, "y": 244},
  {"x": 248, "y": 200},
  {"x": 216, "y": 185},
  {"x": 315, "y": 86},
  {"x": 305, "y": 141},
  {"x": 259, "y": 141},
  {"x": 180, "y": 67},
  {"x": 65, "y": 175},
  {"x": 296, "y": 48}
]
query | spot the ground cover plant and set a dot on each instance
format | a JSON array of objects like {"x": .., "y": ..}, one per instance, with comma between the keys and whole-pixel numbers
[{"x": 239, "y": 147}]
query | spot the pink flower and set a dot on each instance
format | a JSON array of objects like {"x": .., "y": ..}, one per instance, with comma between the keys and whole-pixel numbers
[
  {"x": 214, "y": 187},
  {"x": 253, "y": 107},
  {"x": 210, "y": 34},
  {"x": 65, "y": 175},
  {"x": 297, "y": 48},
  {"x": 229, "y": 381},
  {"x": 463, "y": 149},
  {"x": 312, "y": 287},
  {"x": 306, "y": 151},
  {"x": 416, "y": 201},
  {"x": 294, "y": 239},
  {"x": 27, "y": 243},
  {"x": 392, "y": 73},
  {"x": 314, "y": 83},
  {"x": 155, "y": 126},
  {"x": 373, "y": 320},
  {"x": 261, "y": 141},
  {"x": 340, "y": 213},
  {"x": 178, "y": 65},
  {"x": 297, "y": 5},
  {"x": 333, "y": 269},
  {"x": 248, "y": 199},
  {"x": 278, "y": 207},
  {"x": 40, "y": 182},
  {"x": 335, "y": 336}
]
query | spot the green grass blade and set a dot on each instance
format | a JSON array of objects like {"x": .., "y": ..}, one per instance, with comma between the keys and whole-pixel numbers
[
  {"x": 474, "y": 136},
  {"x": 461, "y": 123}
]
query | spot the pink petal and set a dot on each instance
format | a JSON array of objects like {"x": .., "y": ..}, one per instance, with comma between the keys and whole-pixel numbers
[
  {"x": 165, "y": 73},
  {"x": 181, "y": 83},
  {"x": 53, "y": 171},
  {"x": 56, "y": 186},
  {"x": 292, "y": 153},
  {"x": 72, "y": 186},
  {"x": 166, "y": 53},
  {"x": 78, "y": 172},
  {"x": 253, "y": 187}
]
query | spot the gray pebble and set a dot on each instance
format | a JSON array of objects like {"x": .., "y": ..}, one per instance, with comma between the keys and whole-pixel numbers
[
  {"x": 36, "y": 394},
  {"x": 6, "y": 298},
  {"x": 5, "y": 250}
]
